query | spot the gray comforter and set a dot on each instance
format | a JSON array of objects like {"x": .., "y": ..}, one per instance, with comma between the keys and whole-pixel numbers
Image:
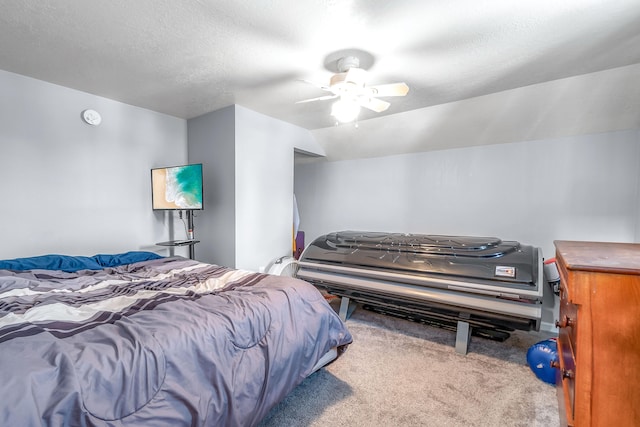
[{"x": 167, "y": 342}]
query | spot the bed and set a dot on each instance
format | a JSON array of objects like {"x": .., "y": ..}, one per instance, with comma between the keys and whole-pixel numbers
[{"x": 137, "y": 339}]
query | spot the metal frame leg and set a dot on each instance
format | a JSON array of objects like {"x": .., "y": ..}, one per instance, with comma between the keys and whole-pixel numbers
[
  {"x": 463, "y": 336},
  {"x": 346, "y": 308}
]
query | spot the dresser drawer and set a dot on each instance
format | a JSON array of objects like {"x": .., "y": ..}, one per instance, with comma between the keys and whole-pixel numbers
[
  {"x": 568, "y": 318},
  {"x": 565, "y": 378},
  {"x": 567, "y": 324}
]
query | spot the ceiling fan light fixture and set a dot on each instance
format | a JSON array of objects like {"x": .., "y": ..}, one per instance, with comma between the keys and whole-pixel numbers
[
  {"x": 345, "y": 110},
  {"x": 349, "y": 86}
]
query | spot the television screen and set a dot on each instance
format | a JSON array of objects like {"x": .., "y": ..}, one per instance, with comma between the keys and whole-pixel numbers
[{"x": 177, "y": 187}]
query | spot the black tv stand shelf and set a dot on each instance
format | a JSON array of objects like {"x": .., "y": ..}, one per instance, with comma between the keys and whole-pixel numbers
[
  {"x": 174, "y": 243},
  {"x": 178, "y": 243}
]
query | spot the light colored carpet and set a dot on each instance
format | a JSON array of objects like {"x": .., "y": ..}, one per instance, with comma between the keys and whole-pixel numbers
[{"x": 401, "y": 373}]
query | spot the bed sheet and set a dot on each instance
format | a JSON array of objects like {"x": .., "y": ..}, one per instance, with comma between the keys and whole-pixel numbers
[{"x": 163, "y": 342}]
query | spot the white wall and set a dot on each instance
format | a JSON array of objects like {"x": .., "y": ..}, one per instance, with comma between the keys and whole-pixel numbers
[
  {"x": 248, "y": 166},
  {"x": 637, "y": 212},
  {"x": 67, "y": 187},
  {"x": 212, "y": 143},
  {"x": 575, "y": 188},
  {"x": 583, "y": 188},
  {"x": 264, "y": 188}
]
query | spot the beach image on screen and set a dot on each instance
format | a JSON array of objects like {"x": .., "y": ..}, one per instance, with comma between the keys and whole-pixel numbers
[{"x": 177, "y": 187}]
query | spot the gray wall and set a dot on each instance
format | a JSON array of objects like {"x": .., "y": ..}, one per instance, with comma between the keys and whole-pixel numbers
[
  {"x": 637, "y": 211},
  {"x": 71, "y": 188},
  {"x": 581, "y": 188},
  {"x": 264, "y": 188},
  {"x": 248, "y": 164},
  {"x": 67, "y": 187},
  {"x": 212, "y": 143}
]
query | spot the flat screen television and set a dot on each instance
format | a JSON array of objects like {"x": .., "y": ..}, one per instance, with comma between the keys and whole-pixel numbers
[{"x": 177, "y": 187}]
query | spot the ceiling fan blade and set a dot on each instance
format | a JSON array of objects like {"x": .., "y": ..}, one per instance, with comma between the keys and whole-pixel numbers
[
  {"x": 391, "y": 89},
  {"x": 320, "y": 98},
  {"x": 318, "y": 85},
  {"x": 374, "y": 104}
]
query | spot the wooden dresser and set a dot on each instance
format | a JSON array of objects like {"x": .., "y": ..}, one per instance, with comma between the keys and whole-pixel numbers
[{"x": 599, "y": 338}]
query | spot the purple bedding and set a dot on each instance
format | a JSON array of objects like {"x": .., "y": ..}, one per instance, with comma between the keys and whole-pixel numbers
[{"x": 162, "y": 342}]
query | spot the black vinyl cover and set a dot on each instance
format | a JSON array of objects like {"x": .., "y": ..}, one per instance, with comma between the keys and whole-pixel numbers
[{"x": 464, "y": 257}]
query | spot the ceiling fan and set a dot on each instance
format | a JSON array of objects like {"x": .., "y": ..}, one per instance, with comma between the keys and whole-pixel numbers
[{"x": 349, "y": 84}]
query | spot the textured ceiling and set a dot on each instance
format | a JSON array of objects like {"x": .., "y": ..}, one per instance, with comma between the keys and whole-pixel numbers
[{"x": 469, "y": 64}]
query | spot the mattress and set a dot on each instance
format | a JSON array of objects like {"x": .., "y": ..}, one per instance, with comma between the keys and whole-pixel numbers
[{"x": 490, "y": 284}]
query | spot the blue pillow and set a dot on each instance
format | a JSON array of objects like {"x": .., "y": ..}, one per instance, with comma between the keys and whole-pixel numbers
[
  {"x": 71, "y": 264},
  {"x": 51, "y": 262},
  {"x": 114, "y": 260}
]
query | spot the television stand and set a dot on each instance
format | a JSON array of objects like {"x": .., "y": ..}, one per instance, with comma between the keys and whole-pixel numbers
[
  {"x": 191, "y": 241},
  {"x": 174, "y": 243}
]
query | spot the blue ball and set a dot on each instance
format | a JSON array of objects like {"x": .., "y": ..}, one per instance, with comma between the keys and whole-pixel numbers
[{"x": 539, "y": 358}]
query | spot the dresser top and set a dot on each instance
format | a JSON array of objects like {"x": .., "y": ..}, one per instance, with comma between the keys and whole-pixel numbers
[{"x": 623, "y": 258}]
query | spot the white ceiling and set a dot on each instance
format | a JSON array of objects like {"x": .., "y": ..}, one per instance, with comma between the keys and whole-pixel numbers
[{"x": 479, "y": 72}]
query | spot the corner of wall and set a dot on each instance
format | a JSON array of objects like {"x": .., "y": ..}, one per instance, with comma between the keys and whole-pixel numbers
[
  {"x": 637, "y": 213},
  {"x": 211, "y": 141}
]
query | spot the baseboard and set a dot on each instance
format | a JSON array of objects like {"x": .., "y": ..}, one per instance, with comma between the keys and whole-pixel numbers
[{"x": 548, "y": 327}]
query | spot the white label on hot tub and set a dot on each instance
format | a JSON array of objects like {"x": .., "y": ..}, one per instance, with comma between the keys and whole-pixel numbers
[{"x": 505, "y": 271}]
